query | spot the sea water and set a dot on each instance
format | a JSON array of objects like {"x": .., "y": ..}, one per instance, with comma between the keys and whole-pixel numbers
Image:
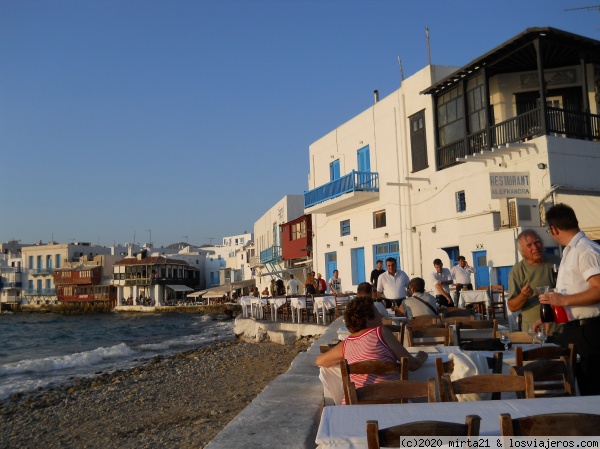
[{"x": 40, "y": 350}]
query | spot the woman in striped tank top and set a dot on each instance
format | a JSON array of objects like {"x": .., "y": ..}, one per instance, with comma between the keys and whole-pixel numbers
[{"x": 368, "y": 340}]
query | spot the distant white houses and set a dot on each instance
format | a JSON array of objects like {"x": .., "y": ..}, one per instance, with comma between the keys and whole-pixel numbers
[{"x": 459, "y": 160}]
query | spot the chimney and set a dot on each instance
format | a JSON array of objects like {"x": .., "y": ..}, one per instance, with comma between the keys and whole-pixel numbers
[{"x": 376, "y": 95}]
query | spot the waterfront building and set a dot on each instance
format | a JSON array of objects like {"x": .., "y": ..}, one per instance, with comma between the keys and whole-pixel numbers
[
  {"x": 268, "y": 262},
  {"x": 153, "y": 280},
  {"x": 39, "y": 262},
  {"x": 459, "y": 160},
  {"x": 228, "y": 263}
]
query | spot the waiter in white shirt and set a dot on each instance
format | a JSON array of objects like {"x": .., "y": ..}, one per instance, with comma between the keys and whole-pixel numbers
[
  {"x": 461, "y": 274},
  {"x": 578, "y": 292},
  {"x": 391, "y": 285}
]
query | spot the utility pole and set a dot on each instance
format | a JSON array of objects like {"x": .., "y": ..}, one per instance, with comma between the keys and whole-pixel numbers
[{"x": 428, "y": 46}]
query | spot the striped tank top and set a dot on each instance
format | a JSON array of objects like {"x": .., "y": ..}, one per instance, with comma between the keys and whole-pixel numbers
[{"x": 368, "y": 346}]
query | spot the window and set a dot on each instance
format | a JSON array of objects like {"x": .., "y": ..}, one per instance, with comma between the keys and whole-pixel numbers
[
  {"x": 461, "y": 201},
  {"x": 418, "y": 141},
  {"x": 298, "y": 230},
  {"x": 476, "y": 103},
  {"x": 344, "y": 227},
  {"x": 57, "y": 259},
  {"x": 450, "y": 116},
  {"x": 379, "y": 219}
]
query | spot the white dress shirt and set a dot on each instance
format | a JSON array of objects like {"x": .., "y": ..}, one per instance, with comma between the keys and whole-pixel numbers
[
  {"x": 443, "y": 276},
  {"x": 393, "y": 287},
  {"x": 462, "y": 275},
  {"x": 580, "y": 261}
]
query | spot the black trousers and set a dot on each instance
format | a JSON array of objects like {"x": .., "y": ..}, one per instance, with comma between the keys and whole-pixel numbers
[
  {"x": 390, "y": 302},
  {"x": 442, "y": 301},
  {"x": 459, "y": 287},
  {"x": 585, "y": 334}
]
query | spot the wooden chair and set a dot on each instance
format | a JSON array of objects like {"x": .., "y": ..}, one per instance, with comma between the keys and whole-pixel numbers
[
  {"x": 552, "y": 378},
  {"x": 548, "y": 352},
  {"x": 377, "y": 367},
  {"x": 498, "y": 306},
  {"x": 491, "y": 325},
  {"x": 441, "y": 368},
  {"x": 552, "y": 424},
  {"x": 340, "y": 305},
  {"x": 390, "y": 437},
  {"x": 455, "y": 319},
  {"x": 286, "y": 310},
  {"x": 458, "y": 312},
  {"x": 434, "y": 335},
  {"x": 397, "y": 330},
  {"x": 423, "y": 320},
  {"x": 490, "y": 383},
  {"x": 480, "y": 305},
  {"x": 307, "y": 312},
  {"x": 392, "y": 392}
]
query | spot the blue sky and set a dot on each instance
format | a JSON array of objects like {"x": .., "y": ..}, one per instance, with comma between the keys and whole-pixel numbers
[{"x": 187, "y": 120}]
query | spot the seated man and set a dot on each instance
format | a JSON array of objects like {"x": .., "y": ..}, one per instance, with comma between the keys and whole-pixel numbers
[
  {"x": 419, "y": 303},
  {"x": 441, "y": 279},
  {"x": 366, "y": 289}
]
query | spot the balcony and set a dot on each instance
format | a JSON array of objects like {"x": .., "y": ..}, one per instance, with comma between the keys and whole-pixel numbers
[
  {"x": 41, "y": 271},
  {"x": 351, "y": 189},
  {"x": 559, "y": 122},
  {"x": 40, "y": 292},
  {"x": 269, "y": 255}
]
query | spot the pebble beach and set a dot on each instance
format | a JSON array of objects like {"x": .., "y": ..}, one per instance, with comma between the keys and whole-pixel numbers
[{"x": 181, "y": 401}]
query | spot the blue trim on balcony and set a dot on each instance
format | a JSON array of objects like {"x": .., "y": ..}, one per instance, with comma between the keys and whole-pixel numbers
[
  {"x": 355, "y": 181},
  {"x": 271, "y": 254}
]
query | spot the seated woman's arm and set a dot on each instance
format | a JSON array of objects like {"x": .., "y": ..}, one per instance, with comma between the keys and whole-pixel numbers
[
  {"x": 414, "y": 363},
  {"x": 331, "y": 357}
]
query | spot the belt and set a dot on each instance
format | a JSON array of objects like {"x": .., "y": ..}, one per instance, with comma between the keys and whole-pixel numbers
[{"x": 583, "y": 321}]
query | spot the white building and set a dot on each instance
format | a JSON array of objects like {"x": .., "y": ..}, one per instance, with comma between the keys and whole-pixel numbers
[
  {"x": 459, "y": 160},
  {"x": 268, "y": 239},
  {"x": 229, "y": 262},
  {"x": 39, "y": 262}
]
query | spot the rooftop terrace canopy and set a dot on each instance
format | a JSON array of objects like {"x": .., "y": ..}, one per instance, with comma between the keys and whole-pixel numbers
[{"x": 518, "y": 54}]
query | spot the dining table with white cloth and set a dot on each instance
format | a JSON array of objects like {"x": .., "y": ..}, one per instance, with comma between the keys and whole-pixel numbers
[
  {"x": 276, "y": 303},
  {"x": 331, "y": 377},
  {"x": 344, "y": 427},
  {"x": 471, "y": 296},
  {"x": 296, "y": 305},
  {"x": 246, "y": 303},
  {"x": 321, "y": 305},
  {"x": 256, "y": 306}
]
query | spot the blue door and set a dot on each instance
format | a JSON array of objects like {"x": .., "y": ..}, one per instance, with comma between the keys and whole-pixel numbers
[
  {"x": 334, "y": 170},
  {"x": 330, "y": 265},
  {"x": 385, "y": 250},
  {"x": 364, "y": 159},
  {"x": 503, "y": 276},
  {"x": 482, "y": 275},
  {"x": 357, "y": 256}
]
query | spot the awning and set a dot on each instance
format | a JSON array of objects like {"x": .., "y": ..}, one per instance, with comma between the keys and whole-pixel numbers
[
  {"x": 180, "y": 288},
  {"x": 196, "y": 294},
  {"x": 242, "y": 284},
  {"x": 216, "y": 292}
]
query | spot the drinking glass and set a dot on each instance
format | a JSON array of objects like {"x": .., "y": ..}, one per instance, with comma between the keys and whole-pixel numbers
[
  {"x": 542, "y": 290},
  {"x": 541, "y": 334},
  {"x": 531, "y": 331},
  {"x": 505, "y": 339}
]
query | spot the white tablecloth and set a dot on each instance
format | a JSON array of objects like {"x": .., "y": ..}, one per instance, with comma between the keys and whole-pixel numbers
[
  {"x": 296, "y": 304},
  {"x": 256, "y": 306},
  {"x": 344, "y": 427},
  {"x": 470, "y": 296},
  {"x": 246, "y": 303},
  {"x": 321, "y": 304},
  {"x": 331, "y": 378},
  {"x": 276, "y": 303}
]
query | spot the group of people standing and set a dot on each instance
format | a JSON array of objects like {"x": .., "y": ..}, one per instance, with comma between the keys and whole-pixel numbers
[{"x": 575, "y": 280}]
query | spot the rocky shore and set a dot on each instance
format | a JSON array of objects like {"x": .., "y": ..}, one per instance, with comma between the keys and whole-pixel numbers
[{"x": 181, "y": 401}]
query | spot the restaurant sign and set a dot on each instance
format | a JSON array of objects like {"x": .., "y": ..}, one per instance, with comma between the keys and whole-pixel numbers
[{"x": 510, "y": 185}]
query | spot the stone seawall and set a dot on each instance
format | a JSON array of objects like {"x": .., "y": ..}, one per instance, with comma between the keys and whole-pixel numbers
[{"x": 287, "y": 413}]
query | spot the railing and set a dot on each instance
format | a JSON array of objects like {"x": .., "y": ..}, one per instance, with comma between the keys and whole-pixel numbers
[
  {"x": 571, "y": 124},
  {"x": 40, "y": 291},
  {"x": 12, "y": 285},
  {"x": 352, "y": 182},
  {"x": 270, "y": 254},
  {"x": 41, "y": 271}
]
